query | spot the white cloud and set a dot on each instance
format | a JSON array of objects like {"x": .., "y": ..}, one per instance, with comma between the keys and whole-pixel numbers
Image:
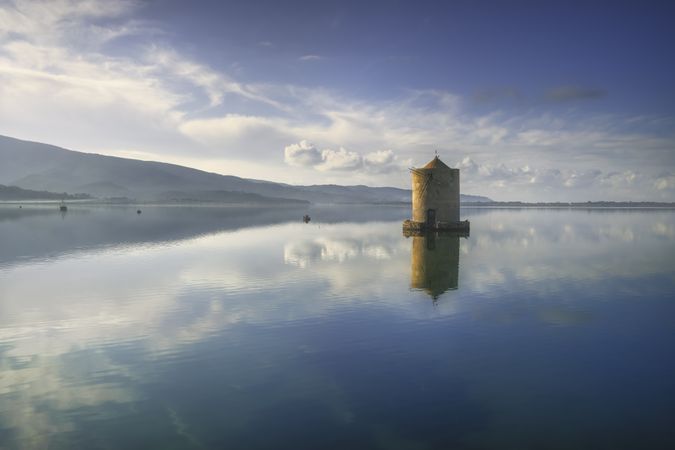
[
  {"x": 305, "y": 154},
  {"x": 340, "y": 160},
  {"x": 380, "y": 158},
  {"x": 37, "y": 18},
  {"x": 385, "y": 161},
  {"x": 621, "y": 179},
  {"x": 665, "y": 181},
  {"x": 234, "y": 133},
  {"x": 216, "y": 85},
  {"x": 564, "y": 180},
  {"x": 55, "y": 87},
  {"x": 582, "y": 179},
  {"x": 302, "y": 154}
]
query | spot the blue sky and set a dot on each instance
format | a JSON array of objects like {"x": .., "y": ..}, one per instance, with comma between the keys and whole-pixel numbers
[{"x": 532, "y": 100}]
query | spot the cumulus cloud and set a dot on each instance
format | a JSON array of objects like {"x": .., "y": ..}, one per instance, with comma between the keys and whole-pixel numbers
[
  {"x": 305, "y": 154},
  {"x": 621, "y": 179},
  {"x": 302, "y": 154},
  {"x": 501, "y": 175},
  {"x": 384, "y": 161},
  {"x": 565, "y": 183},
  {"x": 340, "y": 160},
  {"x": 665, "y": 181}
]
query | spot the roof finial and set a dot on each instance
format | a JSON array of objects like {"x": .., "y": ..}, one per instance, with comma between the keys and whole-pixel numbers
[{"x": 436, "y": 153}]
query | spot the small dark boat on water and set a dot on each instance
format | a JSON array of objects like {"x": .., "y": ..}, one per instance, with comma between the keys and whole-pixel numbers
[
  {"x": 63, "y": 207},
  {"x": 306, "y": 218}
]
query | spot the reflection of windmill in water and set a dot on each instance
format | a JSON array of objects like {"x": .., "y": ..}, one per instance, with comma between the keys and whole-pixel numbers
[{"x": 434, "y": 262}]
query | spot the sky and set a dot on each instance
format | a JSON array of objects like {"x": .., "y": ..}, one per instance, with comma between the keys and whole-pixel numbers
[{"x": 533, "y": 101}]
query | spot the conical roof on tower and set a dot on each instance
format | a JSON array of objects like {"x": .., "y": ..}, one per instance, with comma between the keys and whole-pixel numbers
[{"x": 436, "y": 163}]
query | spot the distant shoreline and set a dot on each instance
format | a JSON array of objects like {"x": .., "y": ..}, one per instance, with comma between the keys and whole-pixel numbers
[
  {"x": 471, "y": 205},
  {"x": 573, "y": 205}
]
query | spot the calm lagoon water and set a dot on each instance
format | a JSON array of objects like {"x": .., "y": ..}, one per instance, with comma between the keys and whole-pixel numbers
[{"x": 247, "y": 329}]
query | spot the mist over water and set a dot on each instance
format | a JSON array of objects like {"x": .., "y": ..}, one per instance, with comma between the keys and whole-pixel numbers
[{"x": 205, "y": 327}]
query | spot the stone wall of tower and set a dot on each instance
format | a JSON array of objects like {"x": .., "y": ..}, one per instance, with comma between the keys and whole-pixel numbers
[{"x": 436, "y": 189}]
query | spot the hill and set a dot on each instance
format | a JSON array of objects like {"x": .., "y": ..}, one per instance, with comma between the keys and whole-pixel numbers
[
  {"x": 10, "y": 193},
  {"x": 43, "y": 167}
]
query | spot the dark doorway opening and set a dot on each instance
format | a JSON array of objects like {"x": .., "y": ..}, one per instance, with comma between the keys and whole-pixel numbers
[{"x": 431, "y": 217}]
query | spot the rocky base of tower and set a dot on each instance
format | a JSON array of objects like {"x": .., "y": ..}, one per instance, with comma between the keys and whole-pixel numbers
[{"x": 413, "y": 228}]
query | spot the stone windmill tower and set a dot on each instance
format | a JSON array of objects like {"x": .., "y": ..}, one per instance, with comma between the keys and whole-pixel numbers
[{"x": 435, "y": 199}]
